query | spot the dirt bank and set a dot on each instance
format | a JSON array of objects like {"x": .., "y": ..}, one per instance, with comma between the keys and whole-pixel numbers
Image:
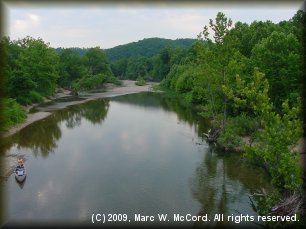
[{"x": 127, "y": 87}]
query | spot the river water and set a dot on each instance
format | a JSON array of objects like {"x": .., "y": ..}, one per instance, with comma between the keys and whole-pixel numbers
[{"x": 133, "y": 154}]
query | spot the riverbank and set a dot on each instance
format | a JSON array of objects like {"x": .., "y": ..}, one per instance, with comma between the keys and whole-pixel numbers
[
  {"x": 110, "y": 90},
  {"x": 127, "y": 87}
]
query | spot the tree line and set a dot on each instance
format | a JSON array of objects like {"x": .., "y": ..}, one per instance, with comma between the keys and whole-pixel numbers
[
  {"x": 34, "y": 70},
  {"x": 248, "y": 80}
]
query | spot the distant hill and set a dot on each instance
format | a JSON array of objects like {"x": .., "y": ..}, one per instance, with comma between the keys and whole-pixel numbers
[
  {"x": 80, "y": 51},
  {"x": 147, "y": 47}
]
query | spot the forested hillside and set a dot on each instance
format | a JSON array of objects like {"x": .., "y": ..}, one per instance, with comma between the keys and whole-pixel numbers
[
  {"x": 79, "y": 51},
  {"x": 147, "y": 47},
  {"x": 147, "y": 59}
]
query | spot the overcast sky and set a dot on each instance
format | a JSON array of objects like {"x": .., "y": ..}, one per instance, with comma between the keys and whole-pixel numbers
[{"x": 109, "y": 25}]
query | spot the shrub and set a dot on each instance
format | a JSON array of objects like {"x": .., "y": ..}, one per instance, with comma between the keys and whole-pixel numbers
[
  {"x": 229, "y": 139},
  {"x": 245, "y": 125},
  {"x": 272, "y": 148},
  {"x": 13, "y": 113},
  {"x": 113, "y": 79},
  {"x": 140, "y": 81},
  {"x": 23, "y": 100},
  {"x": 235, "y": 128},
  {"x": 35, "y": 97},
  {"x": 89, "y": 82},
  {"x": 188, "y": 98}
]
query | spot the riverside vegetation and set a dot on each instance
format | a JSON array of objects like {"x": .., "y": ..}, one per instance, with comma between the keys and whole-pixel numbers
[{"x": 247, "y": 80}]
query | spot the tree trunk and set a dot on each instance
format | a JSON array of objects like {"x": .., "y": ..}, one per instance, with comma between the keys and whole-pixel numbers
[{"x": 224, "y": 100}]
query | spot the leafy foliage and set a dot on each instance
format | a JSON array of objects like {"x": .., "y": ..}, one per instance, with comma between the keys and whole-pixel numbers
[
  {"x": 147, "y": 47},
  {"x": 229, "y": 139},
  {"x": 96, "y": 62},
  {"x": 153, "y": 69},
  {"x": 140, "y": 81},
  {"x": 32, "y": 67},
  {"x": 89, "y": 82},
  {"x": 279, "y": 56},
  {"x": 39, "y": 63},
  {"x": 137, "y": 67},
  {"x": 278, "y": 132},
  {"x": 13, "y": 113},
  {"x": 72, "y": 67},
  {"x": 247, "y": 80},
  {"x": 85, "y": 72}
]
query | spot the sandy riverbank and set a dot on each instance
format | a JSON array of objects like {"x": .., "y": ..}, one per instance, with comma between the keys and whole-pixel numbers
[{"x": 127, "y": 87}]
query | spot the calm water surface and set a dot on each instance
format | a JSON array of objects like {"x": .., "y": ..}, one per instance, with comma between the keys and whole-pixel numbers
[{"x": 133, "y": 154}]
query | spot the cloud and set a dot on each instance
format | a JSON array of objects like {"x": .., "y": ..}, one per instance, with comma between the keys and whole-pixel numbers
[
  {"x": 30, "y": 21},
  {"x": 110, "y": 25},
  {"x": 188, "y": 23}
]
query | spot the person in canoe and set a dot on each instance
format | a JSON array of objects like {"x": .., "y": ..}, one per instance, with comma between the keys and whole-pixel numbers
[
  {"x": 20, "y": 164},
  {"x": 20, "y": 172}
]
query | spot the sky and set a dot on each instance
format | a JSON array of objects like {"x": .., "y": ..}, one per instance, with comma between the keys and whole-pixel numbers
[{"x": 110, "y": 24}]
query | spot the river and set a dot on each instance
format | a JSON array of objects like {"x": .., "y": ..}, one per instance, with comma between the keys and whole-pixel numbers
[{"x": 134, "y": 154}]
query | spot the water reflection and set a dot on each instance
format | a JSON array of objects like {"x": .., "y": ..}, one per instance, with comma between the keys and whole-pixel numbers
[
  {"x": 142, "y": 159},
  {"x": 155, "y": 101},
  {"x": 220, "y": 184},
  {"x": 41, "y": 137},
  {"x": 21, "y": 184},
  {"x": 93, "y": 111}
]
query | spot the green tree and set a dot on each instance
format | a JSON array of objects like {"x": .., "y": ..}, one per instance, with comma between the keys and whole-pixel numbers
[
  {"x": 138, "y": 67},
  {"x": 221, "y": 55},
  {"x": 38, "y": 63},
  {"x": 98, "y": 71},
  {"x": 296, "y": 26},
  {"x": 88, "y": 82},
  {"x": 17, "y": 85},
  {"x": 119, "y": 68},
  {"x": 161, "y": 64},
  {"x": 279, "y": 57},
  {"x": 71, "y": 67},
  {"x": 31, "y": 69},
  {"x": 273, "y": 144},
  {"x": 96, "y": 62}
]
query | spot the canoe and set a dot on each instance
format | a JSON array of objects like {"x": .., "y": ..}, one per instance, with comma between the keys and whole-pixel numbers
[{"x": 20, "y": 174}]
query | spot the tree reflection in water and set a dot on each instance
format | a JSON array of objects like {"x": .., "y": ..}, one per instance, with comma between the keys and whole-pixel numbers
[
  {"x": 219, "y": 183},
  {"x": 151, "y": 100},
  {"x": 42, "y": 136}
]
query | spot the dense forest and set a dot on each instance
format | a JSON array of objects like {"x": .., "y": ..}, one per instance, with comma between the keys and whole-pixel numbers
[
  {"x": 147, "y": 47},
  {"x": 248, "y": 80},
  {"x": 245, "y": 78},
  {"x": 147, "y": 59}
]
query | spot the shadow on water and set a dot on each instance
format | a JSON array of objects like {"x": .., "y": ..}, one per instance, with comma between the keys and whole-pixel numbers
[{"x": 41, "y": 137}]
